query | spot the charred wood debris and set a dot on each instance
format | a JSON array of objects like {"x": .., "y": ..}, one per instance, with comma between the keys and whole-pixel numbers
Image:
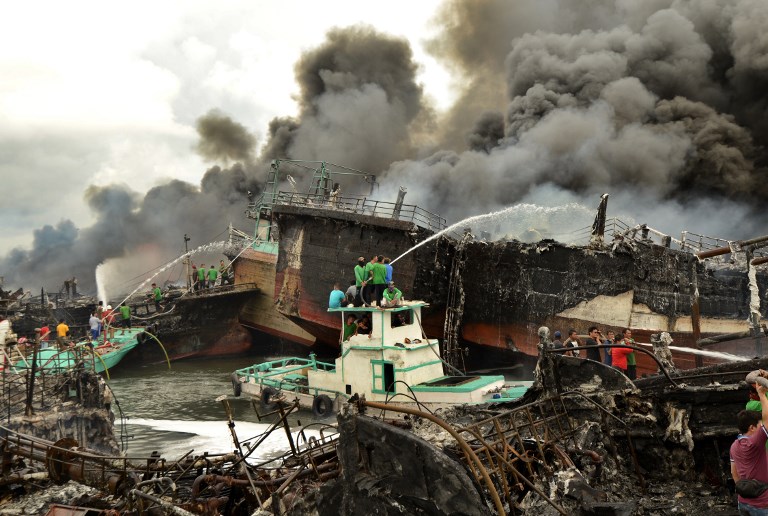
[{"x": 584, "y": 439}]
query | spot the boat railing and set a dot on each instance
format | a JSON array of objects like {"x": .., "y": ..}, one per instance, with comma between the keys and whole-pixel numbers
[
  {"x": 617, "y": 230},
  {"x": 362, "y": 205},
  {"x": 282, "y": 367}
]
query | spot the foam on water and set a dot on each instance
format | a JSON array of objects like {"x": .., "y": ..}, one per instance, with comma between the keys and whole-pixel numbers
[{"x": 214, "y": 437}]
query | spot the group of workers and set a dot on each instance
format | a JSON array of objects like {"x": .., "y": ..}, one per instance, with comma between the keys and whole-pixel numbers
[
  {"x": 203, "y": 278},
  {"x": 620, "y": 358},
  {"x": 372, "y": 285},
  {"x": 103, "y": 320}
]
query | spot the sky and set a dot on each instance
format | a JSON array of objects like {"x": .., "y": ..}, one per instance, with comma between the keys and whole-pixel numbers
[
  {"x": 96, "y": 93},
  {"x": 125, "y": 126}
]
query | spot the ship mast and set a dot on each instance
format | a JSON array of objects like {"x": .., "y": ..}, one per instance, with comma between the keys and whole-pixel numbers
[{"x": 598, "y": 226}]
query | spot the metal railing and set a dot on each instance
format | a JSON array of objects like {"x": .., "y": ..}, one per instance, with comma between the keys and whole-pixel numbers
[{"x": 354, "y": 204}]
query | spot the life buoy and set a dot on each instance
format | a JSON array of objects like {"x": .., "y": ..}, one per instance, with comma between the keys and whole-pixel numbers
[
  {"x": 237, "y": 387},
  {"x": 268, "y": 394},
  {"x": 322, "y": 406}
]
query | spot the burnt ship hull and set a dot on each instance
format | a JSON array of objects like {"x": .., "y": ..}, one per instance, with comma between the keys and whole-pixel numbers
[
  {"x": 197, "y": 326},
  {"x": 502, "y": 292},
  {"x": 256, "y": 266}
]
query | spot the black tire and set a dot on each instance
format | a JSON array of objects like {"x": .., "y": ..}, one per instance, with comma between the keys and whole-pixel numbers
[
  {"x": 237, "y": 387},
  {"x": 322, "y": 406},
  {"x": 268, "y": 394}
]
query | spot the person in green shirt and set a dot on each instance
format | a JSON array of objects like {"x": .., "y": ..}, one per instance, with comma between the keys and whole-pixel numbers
[
  {"x": 367, "y": 284},
  {"x": 212, "y": 275},
  {"x": 201, "y": 273},
  {"x": 157, "y": 296},
  {"x": 379, "y": 278},
  {"x": 631, "y": 362},
  {"x": 350, "y": 327},
  {"x": 125, "y": 314},
  {"x": 392, "y": 296},
  {"x": 224, "y": 272},
  {"x": 359, "y": 278}
]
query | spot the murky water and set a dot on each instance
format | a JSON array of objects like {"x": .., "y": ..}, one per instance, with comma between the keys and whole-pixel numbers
[{"x": 175, "y": 411}]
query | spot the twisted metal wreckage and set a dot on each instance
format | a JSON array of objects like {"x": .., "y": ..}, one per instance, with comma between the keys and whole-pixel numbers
[{"x": 584, "y": 437}]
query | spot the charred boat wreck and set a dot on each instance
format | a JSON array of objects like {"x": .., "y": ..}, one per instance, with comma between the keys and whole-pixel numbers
[
  {"x": 584, "y": 439},
  {"x": 492, "y": 296}
]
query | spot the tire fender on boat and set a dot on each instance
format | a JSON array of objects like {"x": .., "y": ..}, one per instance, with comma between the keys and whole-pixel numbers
[
  {"x": 237, "y": 387},
  {"x": 268, "y": 394},
  {"x": 322, "y": 406}
]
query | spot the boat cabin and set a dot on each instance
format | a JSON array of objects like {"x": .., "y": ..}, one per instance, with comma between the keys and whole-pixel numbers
[{"x": 394, "y": 357}]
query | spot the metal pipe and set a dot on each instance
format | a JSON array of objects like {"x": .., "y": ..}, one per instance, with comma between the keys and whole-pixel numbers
[
  {"x": 719, "y": 251},
  {"x": 465, "y": 448},
  {"x": 636, "y": 348},
  {"x": 174, "y": 509}
]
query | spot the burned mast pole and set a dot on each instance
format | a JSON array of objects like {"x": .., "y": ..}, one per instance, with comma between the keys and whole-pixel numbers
[{"x": 597, "y": 237}]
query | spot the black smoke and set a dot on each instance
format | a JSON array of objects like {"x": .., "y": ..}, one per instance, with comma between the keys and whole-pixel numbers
[{"x": 661, "y": 103}]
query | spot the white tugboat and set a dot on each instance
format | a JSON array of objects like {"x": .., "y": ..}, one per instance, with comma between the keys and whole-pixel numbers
[{"x": 394, "y": 363}]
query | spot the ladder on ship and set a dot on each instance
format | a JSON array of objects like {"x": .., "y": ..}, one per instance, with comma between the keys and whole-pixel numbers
[{"x": 454, "y": 307}]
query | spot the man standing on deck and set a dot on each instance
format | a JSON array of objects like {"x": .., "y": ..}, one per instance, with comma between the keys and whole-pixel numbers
[
  {"x": 368, "y": 281},
  {"x": 748, "y": 455},
  {"x": 125, "y": 314},
  {"x": 62, "y": 330},
  {"x": 212, "y": 275},
  {"x": 389, "y": 270},
  {"x": 379, "y": 275},
  {"x": 45, "y": 336},
  {"x": 359, "y": 279},
  {"x": 193, "y": 277},
  {"x": 157, "y": 296},
  {"x": 224, "y": 272},
  {"x": 595, "y": 339},
  {"x": 631, "y": 363},
  {"x": 94, "y": 323},
  {"x": 201, "y": 273}
]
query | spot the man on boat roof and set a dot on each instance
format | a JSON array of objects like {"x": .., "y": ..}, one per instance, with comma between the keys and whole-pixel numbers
[{"x": 392, "y": 296}]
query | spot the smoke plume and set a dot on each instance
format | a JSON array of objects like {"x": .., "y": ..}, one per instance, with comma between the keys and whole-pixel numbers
[{"x": 660, "y": 103}]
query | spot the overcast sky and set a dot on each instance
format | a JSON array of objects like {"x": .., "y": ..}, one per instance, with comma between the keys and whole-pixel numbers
[
  {"x": 536, "y": 107},
  {"x": 95, "y": 93}
]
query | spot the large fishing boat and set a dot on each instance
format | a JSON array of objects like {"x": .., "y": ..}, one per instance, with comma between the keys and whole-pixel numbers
[{"x": 493, "y": 296}]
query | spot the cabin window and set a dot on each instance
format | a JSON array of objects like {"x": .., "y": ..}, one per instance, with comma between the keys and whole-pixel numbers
[
  {"x": 402, "y": 318},
  {"x": 383, "y": 376}
]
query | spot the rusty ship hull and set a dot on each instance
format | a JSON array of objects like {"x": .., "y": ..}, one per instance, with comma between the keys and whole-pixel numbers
[
  {"x": 502, "y": 292},
  {"x": 257, "y": 265}
]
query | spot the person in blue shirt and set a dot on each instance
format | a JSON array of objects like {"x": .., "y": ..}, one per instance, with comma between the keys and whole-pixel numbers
[
  {"x": 389, "y": 270},
  {"x": 336, "y": 298}
]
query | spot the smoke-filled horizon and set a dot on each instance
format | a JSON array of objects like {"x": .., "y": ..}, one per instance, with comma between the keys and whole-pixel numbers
[{"x": 661, "y": 104}]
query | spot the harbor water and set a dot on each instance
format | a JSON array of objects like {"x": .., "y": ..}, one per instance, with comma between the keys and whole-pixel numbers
[{"x": 175, "y": 411}]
